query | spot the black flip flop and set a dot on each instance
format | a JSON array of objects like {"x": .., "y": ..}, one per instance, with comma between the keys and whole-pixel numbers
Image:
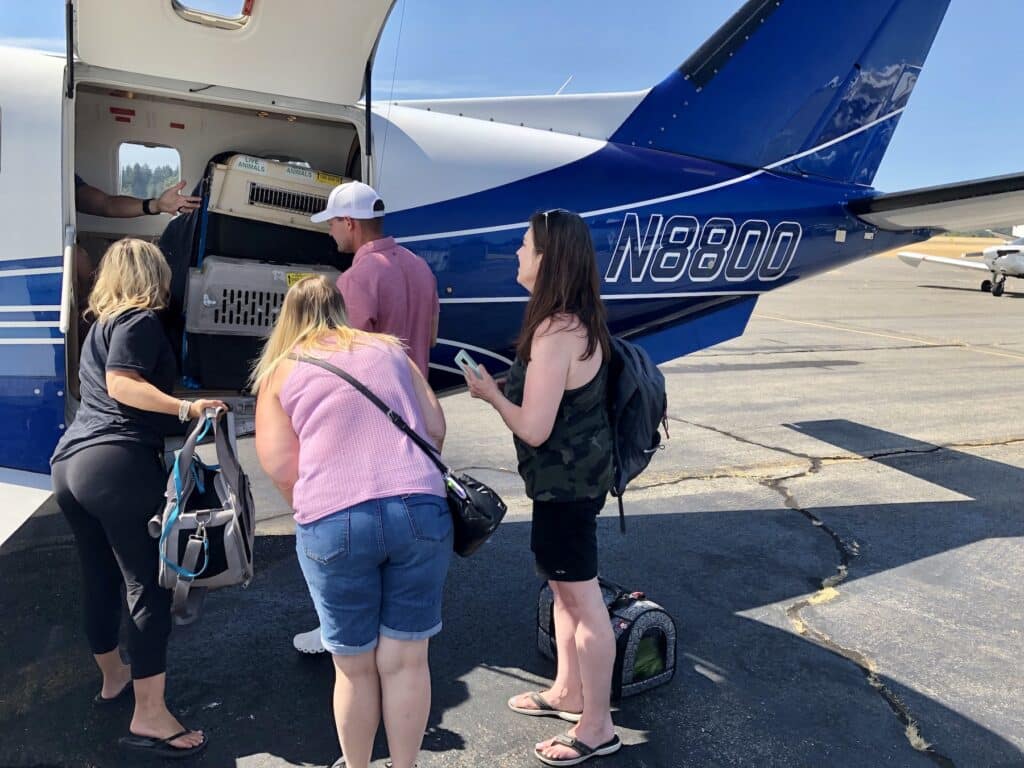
[
  {"x": 155, "y": 747},
  {"x": 583, "y": 751},
  {"x": 122, "y": 695},
  {"x": 543, "y": 709}
]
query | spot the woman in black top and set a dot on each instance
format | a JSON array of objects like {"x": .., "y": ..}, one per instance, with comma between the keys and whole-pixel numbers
[
  {"x": 109, "y": 479},
  {"x": 555, "y": 403}
]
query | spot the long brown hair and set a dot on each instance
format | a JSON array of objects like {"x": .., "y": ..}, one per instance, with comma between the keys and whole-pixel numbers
[{"x": 567, "y": 281}]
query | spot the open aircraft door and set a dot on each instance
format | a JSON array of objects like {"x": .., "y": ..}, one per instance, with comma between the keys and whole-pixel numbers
[
  {"x": 31, "y": 264},
  {"x": 307, "y": 49}
]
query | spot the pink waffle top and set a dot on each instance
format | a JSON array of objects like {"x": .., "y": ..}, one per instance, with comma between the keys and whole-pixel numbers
[{"x": 349, "y": 451}]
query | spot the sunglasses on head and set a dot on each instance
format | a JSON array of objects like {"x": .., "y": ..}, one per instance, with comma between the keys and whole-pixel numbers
[{"x": 546, "y": 213}]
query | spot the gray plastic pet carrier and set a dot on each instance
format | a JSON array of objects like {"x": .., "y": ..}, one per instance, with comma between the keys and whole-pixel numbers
[
  {"x": 231, "y": 307},
  {"x": 236, "y": 297}
]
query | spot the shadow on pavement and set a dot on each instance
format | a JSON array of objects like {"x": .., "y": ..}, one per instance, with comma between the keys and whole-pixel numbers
[
  {"x": 1007, "y": 294},
  {"x": 746, "y": 692}
]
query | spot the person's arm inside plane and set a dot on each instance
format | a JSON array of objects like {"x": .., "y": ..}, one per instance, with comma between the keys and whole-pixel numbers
[{"x": 96, "y": 202}]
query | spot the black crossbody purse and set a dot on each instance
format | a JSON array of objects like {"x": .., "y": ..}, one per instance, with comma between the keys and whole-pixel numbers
[{"x": 476, "y": 509}]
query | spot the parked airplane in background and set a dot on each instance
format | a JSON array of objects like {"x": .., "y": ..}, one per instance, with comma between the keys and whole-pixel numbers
[
  {"x": 1000, "y": 261},
  {"x": 745, "y": 169}
]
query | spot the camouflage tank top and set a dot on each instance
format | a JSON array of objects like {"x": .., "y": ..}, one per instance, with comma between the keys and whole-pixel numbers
[{"x": 575, "y": 462}]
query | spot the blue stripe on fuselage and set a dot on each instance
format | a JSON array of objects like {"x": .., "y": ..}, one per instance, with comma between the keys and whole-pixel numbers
[
  {"x": 29, "y": 290},
  {"x": 484, "y": 264},
  {"x": 32, "y": 374},
  {"x": 40, "y": 262}
]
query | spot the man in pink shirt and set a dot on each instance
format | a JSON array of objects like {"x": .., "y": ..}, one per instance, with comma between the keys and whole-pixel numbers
[{"x": 388, "y": 289}]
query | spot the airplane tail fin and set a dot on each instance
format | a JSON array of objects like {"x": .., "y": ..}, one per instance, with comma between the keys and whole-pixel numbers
[{"x": 802, "y": 86}]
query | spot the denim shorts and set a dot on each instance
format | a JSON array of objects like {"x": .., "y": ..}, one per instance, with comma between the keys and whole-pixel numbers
[{"x": 377, "y": 568}]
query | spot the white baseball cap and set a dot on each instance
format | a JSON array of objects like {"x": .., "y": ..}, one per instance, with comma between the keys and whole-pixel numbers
[{"x": 354, "y": 200}]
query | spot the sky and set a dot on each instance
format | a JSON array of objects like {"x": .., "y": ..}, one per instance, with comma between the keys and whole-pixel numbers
[{"x": 964, "y": 120}]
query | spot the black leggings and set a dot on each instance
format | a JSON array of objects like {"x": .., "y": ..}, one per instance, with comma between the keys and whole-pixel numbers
[{"x": 108, "y": 493}]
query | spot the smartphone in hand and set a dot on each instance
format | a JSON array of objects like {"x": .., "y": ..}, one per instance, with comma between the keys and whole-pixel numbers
[{"x": 467, "y": 363}]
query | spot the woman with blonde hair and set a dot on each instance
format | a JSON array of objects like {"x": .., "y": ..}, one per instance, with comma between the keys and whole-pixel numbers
[
  {"x": 109, "y": 479},
  {"x": 373, "y": 533}
]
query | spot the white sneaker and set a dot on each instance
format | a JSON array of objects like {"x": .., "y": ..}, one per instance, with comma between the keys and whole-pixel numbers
[{"x": 309, "y": 642}]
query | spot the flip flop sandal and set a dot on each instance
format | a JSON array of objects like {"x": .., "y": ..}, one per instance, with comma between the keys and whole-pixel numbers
[
  {"x": 543, "y": 709},
  {"x": 583, "y": 751},
  {"x": 122, "y": 695},
  {"x": 162, "y": 747}
]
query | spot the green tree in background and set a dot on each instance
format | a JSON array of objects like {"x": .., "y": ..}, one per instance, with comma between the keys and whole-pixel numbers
[{"x": 142, "y": 180}]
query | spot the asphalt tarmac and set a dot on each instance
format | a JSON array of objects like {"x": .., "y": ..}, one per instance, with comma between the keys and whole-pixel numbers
[{"x": 834, "y": 526}]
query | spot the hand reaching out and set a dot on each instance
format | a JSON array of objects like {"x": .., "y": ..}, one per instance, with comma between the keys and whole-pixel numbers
[{"x": 172, "y": 201}]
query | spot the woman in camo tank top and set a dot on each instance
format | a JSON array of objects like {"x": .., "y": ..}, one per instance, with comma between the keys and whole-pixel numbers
[{"x": 555, "y": 404}]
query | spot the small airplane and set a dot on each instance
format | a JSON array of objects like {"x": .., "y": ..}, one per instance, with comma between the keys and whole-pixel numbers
[
  {"x": 749, "y": 166},
  {"x": 1000, "y": 261}
]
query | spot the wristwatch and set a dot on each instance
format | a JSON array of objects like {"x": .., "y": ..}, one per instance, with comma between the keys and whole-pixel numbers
[{"x": 146, "y": 207}]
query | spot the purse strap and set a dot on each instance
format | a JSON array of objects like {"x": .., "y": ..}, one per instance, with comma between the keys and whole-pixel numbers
[{"x": 394, "y": 416}]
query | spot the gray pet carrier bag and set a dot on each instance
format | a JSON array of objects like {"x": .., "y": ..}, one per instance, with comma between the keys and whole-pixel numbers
[
  {"x": 645, "y": 638},
  {"x": 206, "y": 531}
]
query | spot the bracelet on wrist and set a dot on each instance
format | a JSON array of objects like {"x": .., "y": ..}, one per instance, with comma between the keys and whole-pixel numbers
[
  {"x": 147, "y": 206},
  {"x": 184, "y": 407}
]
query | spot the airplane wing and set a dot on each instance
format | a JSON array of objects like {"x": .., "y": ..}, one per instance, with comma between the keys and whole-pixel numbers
[
  {"x": 915, "y": 259},
  {"x": 23, "y": 493},
  {"x": 965, "y": 206}
]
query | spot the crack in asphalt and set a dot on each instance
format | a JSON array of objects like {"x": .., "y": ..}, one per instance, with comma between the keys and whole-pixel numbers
[
  {"x": 846, "y": 551},
  {"x": 751, "y": 473},
  {"x": 850, "y": 457}
]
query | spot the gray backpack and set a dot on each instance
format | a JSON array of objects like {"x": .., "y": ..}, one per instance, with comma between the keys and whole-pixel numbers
[
  {"x": 638, "y": 406},
  {"x": 207, "y": 529}
]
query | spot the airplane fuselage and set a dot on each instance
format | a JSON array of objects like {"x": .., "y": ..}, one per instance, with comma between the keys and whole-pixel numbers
[
  {"x": 684, "y": 245},
  {"x": 1005, "y": 260}
]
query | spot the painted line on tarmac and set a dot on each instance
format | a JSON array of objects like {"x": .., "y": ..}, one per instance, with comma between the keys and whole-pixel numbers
[{"x": 832, "y": 327}]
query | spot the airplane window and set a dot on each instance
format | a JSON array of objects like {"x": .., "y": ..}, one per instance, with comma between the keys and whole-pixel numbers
[
  {"x": 223, "y": 14},
  {"x": 145, "y": 170}
]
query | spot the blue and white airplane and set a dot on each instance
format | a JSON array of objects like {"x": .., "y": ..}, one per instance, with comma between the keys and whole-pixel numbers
[{"x": 745, "y": 169}]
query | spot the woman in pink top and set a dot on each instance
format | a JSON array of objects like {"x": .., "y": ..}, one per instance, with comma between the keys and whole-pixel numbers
[{"x": 373, "y": 532}]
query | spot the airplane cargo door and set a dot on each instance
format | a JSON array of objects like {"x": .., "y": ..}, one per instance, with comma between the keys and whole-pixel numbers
[
  {"x": 31, "y": 262},
  {"x": 310, "y": 49}
]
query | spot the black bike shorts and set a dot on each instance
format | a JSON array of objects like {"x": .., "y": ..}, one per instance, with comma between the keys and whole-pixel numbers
[{"x": 564, "y": 538}]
